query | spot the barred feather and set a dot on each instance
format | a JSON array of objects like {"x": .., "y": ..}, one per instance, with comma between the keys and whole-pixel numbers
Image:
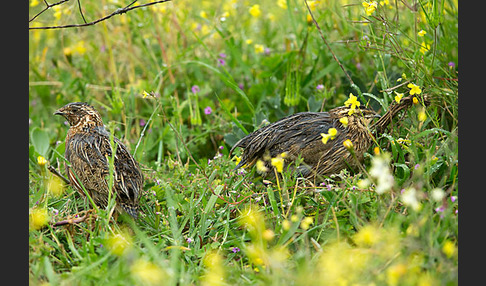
[{"x": 88, "y": 149}]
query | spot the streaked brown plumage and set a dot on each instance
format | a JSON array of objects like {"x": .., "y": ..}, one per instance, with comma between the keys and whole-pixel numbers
[
  {"x": 89, "y": 149},
  {"x": 300, "y": 135}
]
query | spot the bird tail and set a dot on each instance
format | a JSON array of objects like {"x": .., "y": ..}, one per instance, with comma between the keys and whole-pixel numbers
[{"x": 131, "y": 210}]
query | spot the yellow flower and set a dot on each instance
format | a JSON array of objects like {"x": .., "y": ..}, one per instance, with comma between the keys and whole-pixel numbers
[
  {"x": 215, "y": 269},
  {"x": 249, "y": 41},
  {"x": 353, "y": 102},
  {"x": 203, "y": 14},
  {"x": 55, "y": 186},
  {"x": 421, "y": 33},
  {"x": 260, "y": 166},
  {"x": 34, "y": 3},
  {"x": 414, "y": 89},
  {"x": 344, "y": 121},
  {"x": 41, "y": 161},
  {"x": 415, "y": 100},
  {"x": 118, "y": 244},
  {"x": 268, "y": 234},
  {"x": 313, "y": 4},
  {"x": 278, "y": 163},
  {"x": 348, "y": 144},
  {"x": 370, "y": 7},
  {"x": 57, "y": 12},
  {"x": 398, "y": 97},
  {"x": 282, "y": 4},
  {"x": 424, "y": 48},
  {"x": 147, "y": 272},
  {"x": 238, "y": 159},
  {"x": 332, "y": 132},
  {"x": 306, "y": 222},
  {"x": 38, "y": 218},
  {"x": 395, "y": 272},
  {"x": 255, "y": 10},
  {"x": 422, "y": 116},
  {"x": 449, "y": 248},
  {"x": 259, "y": 48},
  {"x": 376, "y": 150},
  {"x": 404, "y": 76},
  {"x": 286, "y": 224},
  {"x": 271, "y": 17},
  {"x": 367, "y": 236}
]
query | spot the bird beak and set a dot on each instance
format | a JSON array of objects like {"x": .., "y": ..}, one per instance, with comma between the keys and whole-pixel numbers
[{"x": 58, "y": 112}]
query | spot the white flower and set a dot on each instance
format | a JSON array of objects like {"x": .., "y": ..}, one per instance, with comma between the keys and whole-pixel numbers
[
  {"x": 409, "y": 198},
  {"x": 380, "y": 171},
  {"x": 437, "y": 194}
]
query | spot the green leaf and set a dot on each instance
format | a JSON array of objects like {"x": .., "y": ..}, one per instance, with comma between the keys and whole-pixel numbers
[{"x": 40, "y": 141}]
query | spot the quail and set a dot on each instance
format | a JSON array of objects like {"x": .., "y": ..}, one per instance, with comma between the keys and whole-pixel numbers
[
  {"x": 301, "y": 134},
  {"x": 89, "y": 151}
]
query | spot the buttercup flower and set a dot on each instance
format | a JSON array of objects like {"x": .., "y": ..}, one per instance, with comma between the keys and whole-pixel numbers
[
  {"x": 278, "y": 163},
  {"x": 348, "y": 144},
  {"x": 332, "y": 132},
  {"x": 255, "y": 10},
  {"x": 41, "y": 161},
  {"x": 344, "y": 121},
  {"x": 282, "y": 4},
  {"x": 353, "y": 102},
  {"x": 260, "y": 166},
  {"x": 38, "y": 218},
  {"x": 424, "y": 47},
  {"x": 370, "y": 7},
  {"x": 414, "y": 89},
  {"x": 398, "y": 97},
  {"x": 421, "y": 33},
  {"x": 259, "y": 48}
]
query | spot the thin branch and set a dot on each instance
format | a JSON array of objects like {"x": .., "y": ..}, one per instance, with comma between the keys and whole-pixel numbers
[
  {"x": 116, "y": 12},
  {"x": 327, "y": 44},
  {"x": 47, "y": 7},
  {"x": 81, "y": 11}
]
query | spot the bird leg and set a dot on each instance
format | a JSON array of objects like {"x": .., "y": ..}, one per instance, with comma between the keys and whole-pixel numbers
[{"x": 74, "y": 220}]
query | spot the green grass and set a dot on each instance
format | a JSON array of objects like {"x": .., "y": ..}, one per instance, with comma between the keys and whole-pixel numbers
[{"x": 203, "y": 222}]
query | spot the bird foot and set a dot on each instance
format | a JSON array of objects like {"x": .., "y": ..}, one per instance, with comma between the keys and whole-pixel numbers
[{"x": 74, "y": 219}]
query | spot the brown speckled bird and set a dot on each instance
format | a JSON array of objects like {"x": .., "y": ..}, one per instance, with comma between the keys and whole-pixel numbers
[
  {"x": 89, "y": 149},
  {"x": 300, "y": 135}
]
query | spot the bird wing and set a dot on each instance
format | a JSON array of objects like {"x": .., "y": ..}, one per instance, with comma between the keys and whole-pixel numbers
[
  {"x": 89, "y": 154},
  {"x": 290, "y": 134}
]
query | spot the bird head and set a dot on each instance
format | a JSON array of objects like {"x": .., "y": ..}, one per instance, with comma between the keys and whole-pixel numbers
[{"x": 79, "y": 112}]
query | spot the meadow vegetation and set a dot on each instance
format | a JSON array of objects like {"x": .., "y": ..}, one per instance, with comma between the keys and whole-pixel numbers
[{"x": 181, "y": 82}]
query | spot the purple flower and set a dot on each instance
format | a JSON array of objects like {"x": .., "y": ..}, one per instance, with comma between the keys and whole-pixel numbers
[
  {"x": 221, "y": 62},
  {"x": 222, "y": 55},
  {"x": 189, "y": 240},
  {"x": 235, "y": 249},
  {"x": 416, "y": 166},
  {"x": 142, "y": 122},
  {"x": 208, "y": 110},
  {"x": 451, "y": 64},
  {"x": 440, "y": 209},
  {"x": 195, "y": 89},
  {"x": 453, "y": 198},
  {"x": 221, "y": 147},
  {"x": 320, "y": 87}
]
